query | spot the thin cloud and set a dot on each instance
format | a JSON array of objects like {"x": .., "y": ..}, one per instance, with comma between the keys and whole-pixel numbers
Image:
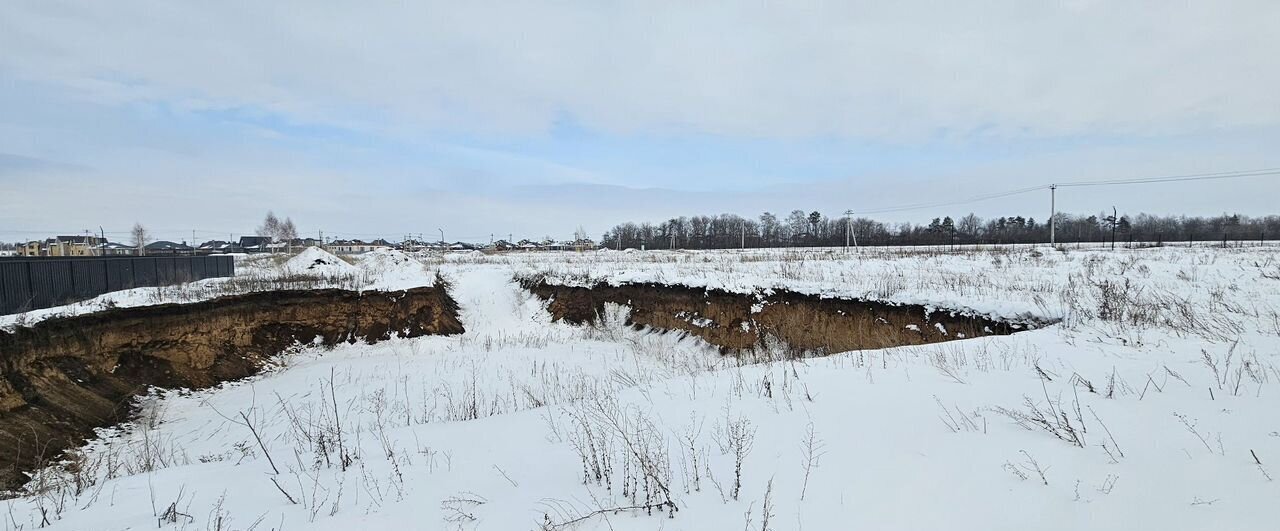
[{"x": 903, "y": 70}]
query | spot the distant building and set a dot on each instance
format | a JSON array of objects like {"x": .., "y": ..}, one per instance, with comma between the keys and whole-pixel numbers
[
  {"x": 32, "y": 248},
  {"x": 255, "y": 244},
  {"x": 219, "y": 247},
  {"x": 117, "y": 249},
  {"x": 166, "y": 248},
  {"x": 74, "y": 246},
  {"x": 63, "y": 246},
  {"x": 357, "y": 246},
  {"x": 303, "y": 243}
]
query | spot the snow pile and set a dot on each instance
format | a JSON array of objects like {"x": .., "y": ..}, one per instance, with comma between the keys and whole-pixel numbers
[
  {"x": 315, "y": 261},
  {"x": 390, "y": 269}
]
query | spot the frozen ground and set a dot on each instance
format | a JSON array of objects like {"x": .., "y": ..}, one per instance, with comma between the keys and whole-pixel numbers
[{"x": 1151, "y": 405}]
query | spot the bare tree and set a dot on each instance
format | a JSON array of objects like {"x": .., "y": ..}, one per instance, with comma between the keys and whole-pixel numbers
[
  {"x": 287, "y": 233},
  {"x": 140, "y": 238},
  {"x": 270, "y": 226}
]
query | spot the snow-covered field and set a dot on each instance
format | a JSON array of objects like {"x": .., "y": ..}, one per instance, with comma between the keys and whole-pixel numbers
[{"x": 1152, "y": 404}]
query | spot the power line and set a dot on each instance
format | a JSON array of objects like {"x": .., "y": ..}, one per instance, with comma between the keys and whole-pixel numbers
[
  {"x": 1109, "y": 182},
  {"x": 973, "y": 199},
  {"x": 1178, "y": 178}
]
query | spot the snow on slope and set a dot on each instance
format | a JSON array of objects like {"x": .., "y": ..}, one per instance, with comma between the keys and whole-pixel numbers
[
  {"x": 1154, "y": 410},
  {"x": 390, "y": 269}
]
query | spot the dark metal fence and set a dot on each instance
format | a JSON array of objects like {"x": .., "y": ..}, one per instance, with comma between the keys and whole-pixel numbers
[{"x": 33, "y": 283}]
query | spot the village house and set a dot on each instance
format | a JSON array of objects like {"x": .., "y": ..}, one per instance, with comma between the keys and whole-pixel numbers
[
  {"x": 219, "y": 247},
  {"x": 117, "y": 249},
  {"x": 357, "y": 246},
  {"x": 255, "y": 244},
  {"x": 62, "y": 246},
  {"x": 167, "y": 248}
]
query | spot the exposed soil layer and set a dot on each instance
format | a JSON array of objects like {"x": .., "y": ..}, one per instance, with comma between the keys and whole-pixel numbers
[
  {"x": 738, "y": 322},
  {"x": 63, "y": 377}
]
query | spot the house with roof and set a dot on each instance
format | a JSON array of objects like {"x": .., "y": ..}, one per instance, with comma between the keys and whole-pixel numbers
[
  {"x": 218, "y": 247},
  {"x": 303, "y": 243},
  {"x": 255, "y": 244},
  {"x": 62, "y": 246},
  {"x": 116, "y": 249},
  {"x": 167, "y": 248},
  {"x": 73, "y": 245},
  {"x": 357, "y": 246}
]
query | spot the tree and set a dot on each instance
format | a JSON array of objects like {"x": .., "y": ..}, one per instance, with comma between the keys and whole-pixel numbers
[
  {"x": 815, "y": 218},
  {"x": 140, "y": 238},
  {"x": 969, "y": 226},
  {"x": 288, "y": 232},
  {"x": 768, "y": 228},
  {"x": 270, "y": 226},
  {"x": 796, "y": 222}
]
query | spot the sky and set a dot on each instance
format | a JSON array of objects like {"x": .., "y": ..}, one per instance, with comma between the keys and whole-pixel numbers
[{"x": 531, "y": 119}]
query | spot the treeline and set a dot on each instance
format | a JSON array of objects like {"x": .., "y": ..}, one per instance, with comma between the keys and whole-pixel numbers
[{"x": 800, "y": 229}]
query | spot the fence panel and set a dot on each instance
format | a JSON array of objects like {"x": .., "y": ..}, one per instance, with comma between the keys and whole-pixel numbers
[
  {"x": 34, "y": 283},
  {"x": 145, "y": 273},
  {"x": 53, "y": 284},
  {"x": 119, "y": 274},
  {"x": 15, "y": 287},
  {"x": 197, "y": 269},
  {"x": 90, "y": 278},
  {"x": 166, "y": 271}
]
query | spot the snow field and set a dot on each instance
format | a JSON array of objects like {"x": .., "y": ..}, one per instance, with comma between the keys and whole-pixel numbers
[{"x": 1150, "y": 405}]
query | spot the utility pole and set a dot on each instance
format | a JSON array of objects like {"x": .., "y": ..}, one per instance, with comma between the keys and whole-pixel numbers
[
  {"x": 848, "y": 229},
  {"x": 441, "y": 237},
  {"x": 744, "y": 235},
  {"x": 1114, "y": 221},
  {"x": 1053, "y": 215}
]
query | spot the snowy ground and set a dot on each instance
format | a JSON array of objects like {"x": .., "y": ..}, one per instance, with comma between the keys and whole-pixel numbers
[{"x": 1151, "y": 405}]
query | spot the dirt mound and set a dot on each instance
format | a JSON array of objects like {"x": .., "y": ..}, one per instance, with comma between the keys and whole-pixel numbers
[
  {"x": 737, "y": 322},
  {"x": 64, "y": 377}
]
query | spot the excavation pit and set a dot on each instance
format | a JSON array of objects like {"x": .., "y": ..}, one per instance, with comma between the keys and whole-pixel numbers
[
  {"x": 63, "y": 377},
  {"x": 737, "y": 322}
]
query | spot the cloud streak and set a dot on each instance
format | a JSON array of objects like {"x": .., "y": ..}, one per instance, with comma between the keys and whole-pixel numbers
[{"x": 903, "y": 70}]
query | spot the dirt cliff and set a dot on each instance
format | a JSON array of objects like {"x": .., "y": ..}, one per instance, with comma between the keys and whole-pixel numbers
[
  {"x": 736, "y": 321},
  {"x": 63, "y": 377}
]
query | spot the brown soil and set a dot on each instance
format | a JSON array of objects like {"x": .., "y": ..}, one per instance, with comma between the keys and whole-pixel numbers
[
  {"x": 64, "y": 377},
  {"x": 802, "y": 322}
]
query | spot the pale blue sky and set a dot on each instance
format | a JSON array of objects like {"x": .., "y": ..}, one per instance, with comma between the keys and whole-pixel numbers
[{"x": 381, "y": 118}]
